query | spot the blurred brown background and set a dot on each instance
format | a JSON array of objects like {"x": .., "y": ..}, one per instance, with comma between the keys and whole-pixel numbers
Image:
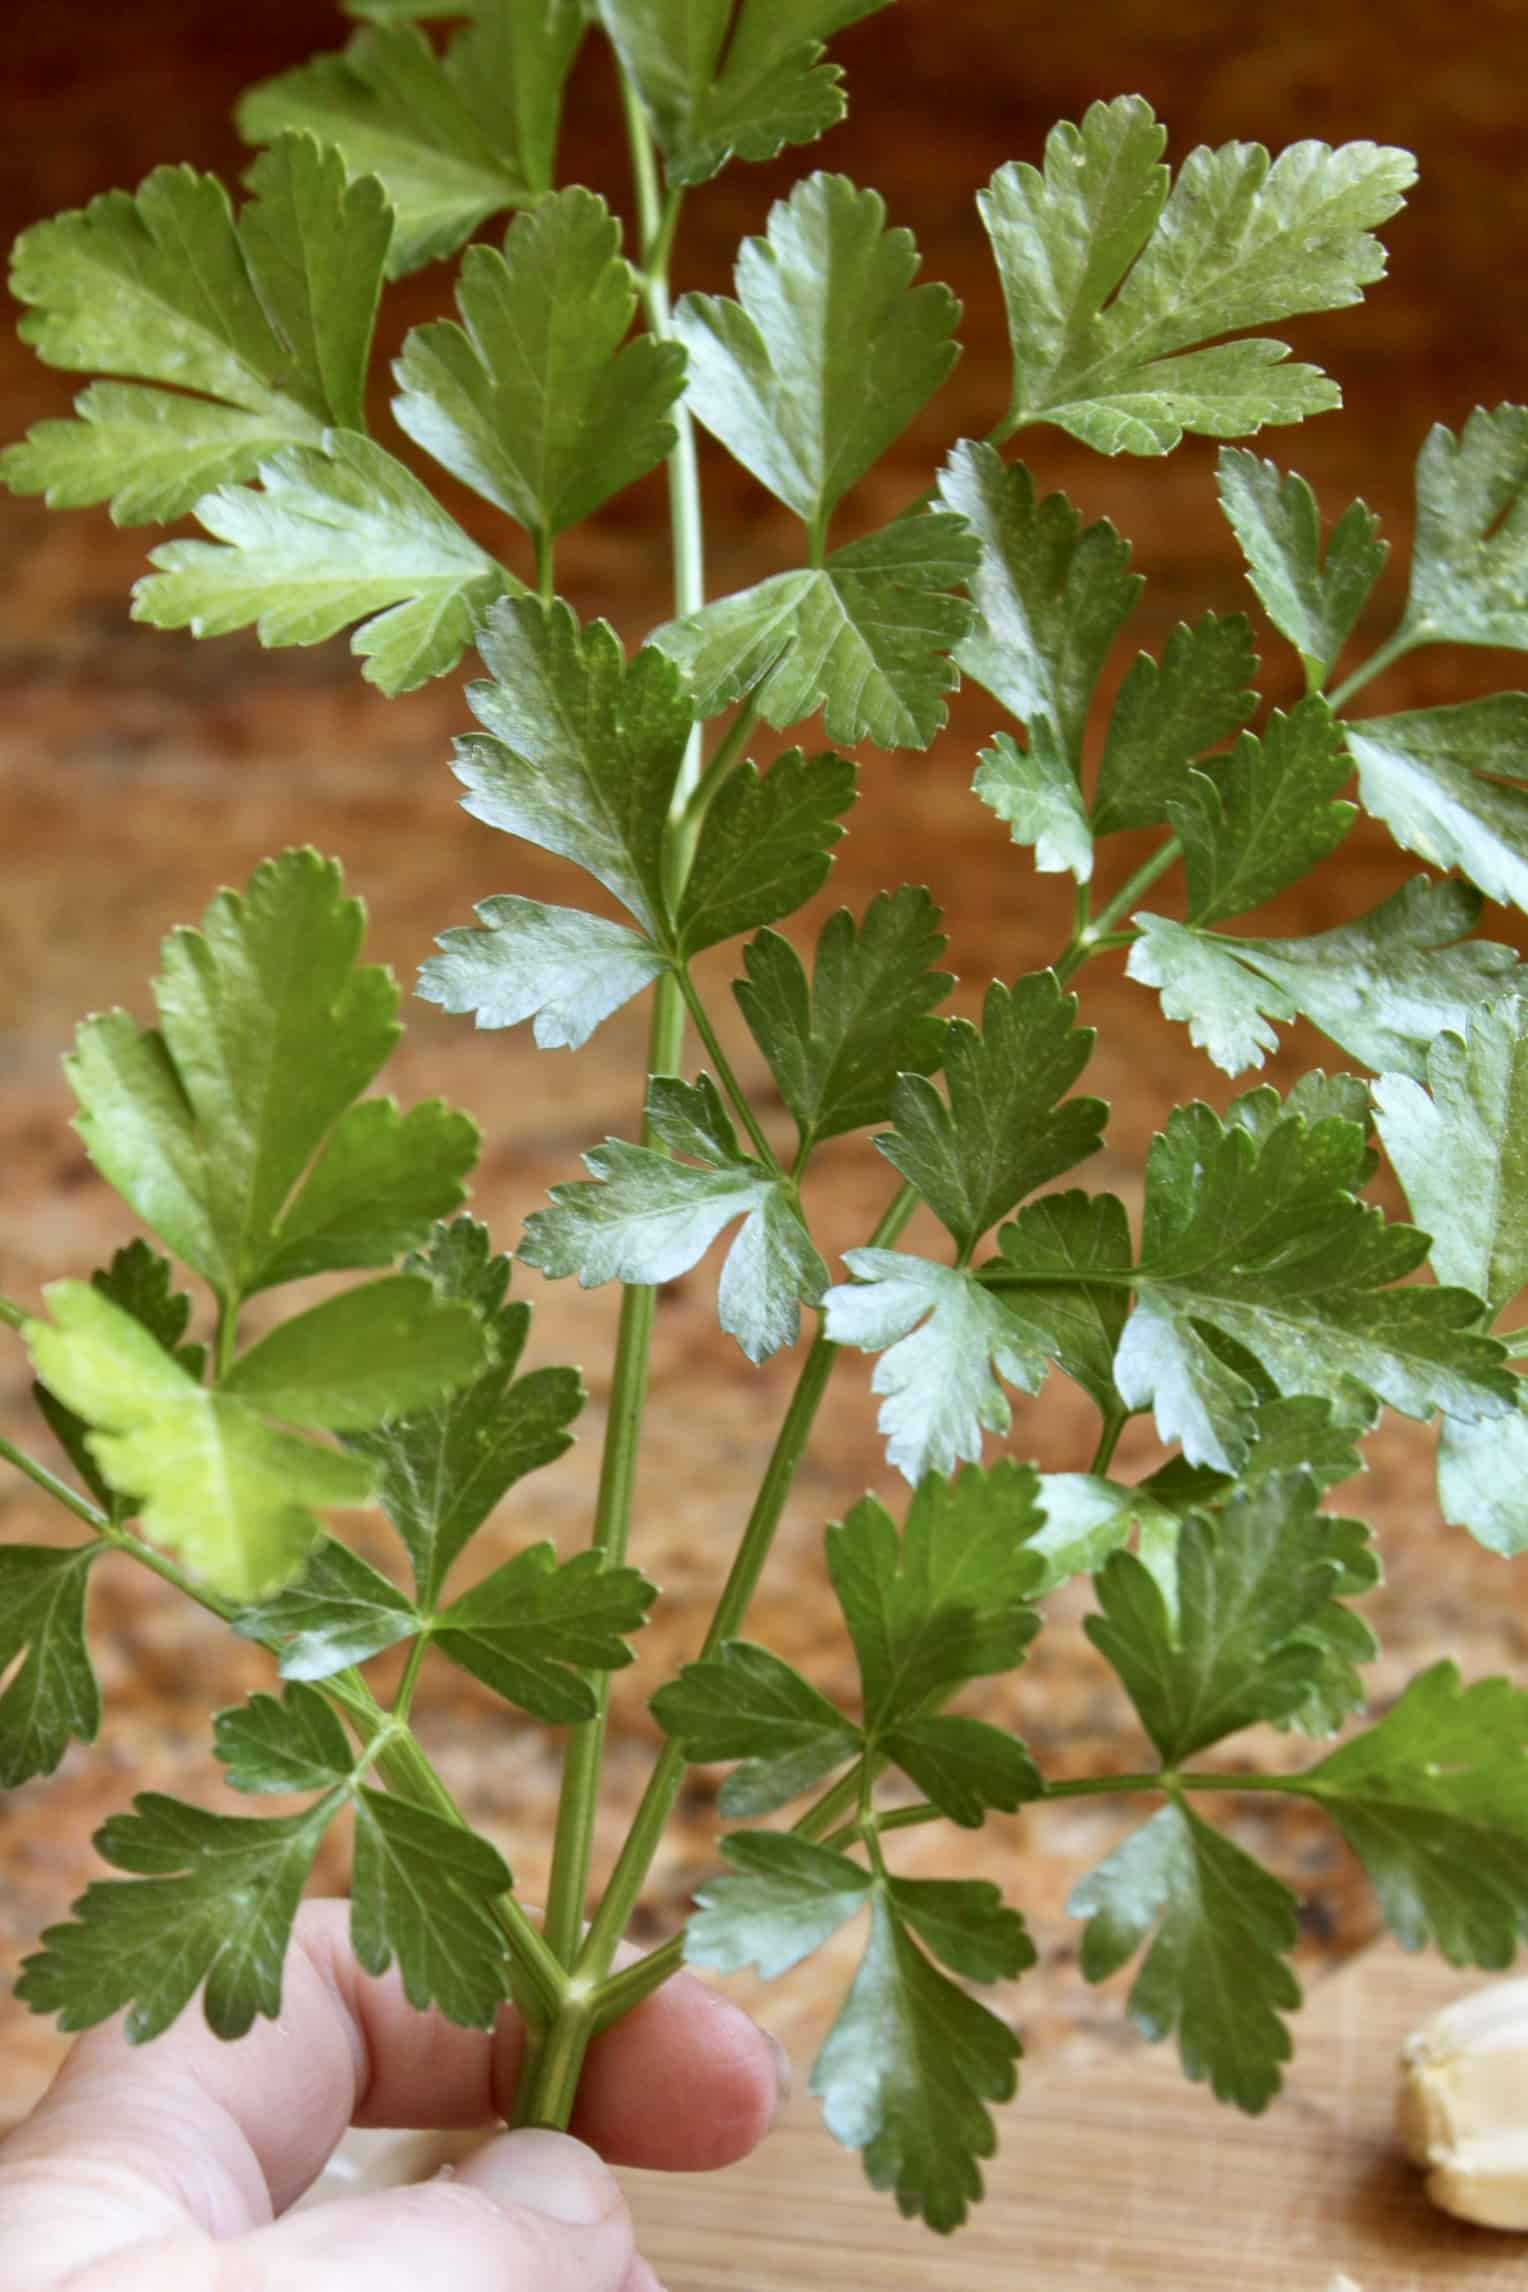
[{"x": 141, "y": 770}]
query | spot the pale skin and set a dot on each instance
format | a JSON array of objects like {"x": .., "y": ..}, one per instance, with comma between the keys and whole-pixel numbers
[{"x": 169, "y": 2167}]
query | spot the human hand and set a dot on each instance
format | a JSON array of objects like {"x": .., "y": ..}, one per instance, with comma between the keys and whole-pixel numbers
[{"x": 167, "y": 2168}]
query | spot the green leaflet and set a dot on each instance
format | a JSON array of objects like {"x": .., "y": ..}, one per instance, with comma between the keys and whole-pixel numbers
[
  {"x": 443, "y": 1468},
  {"x": 1036, "y": 791},
  {"x": 262, "y": 325},
  {"x": 1112, "y": 279},
  {"x": 453, "y": 138},
  {"x": 1167, "y": 714},
  {"x": 563, "y": 970},
  {"x": 532, "y": 401},
  {"x": 745, "y": 1703},
  {"x": 1002, "y": 1132},
  {"x": 828, "y": 352},
  {"x": 579, "y": 750},
  {"x": 836, "y": 1047},
  {"x": 1215, "y": 1972},
  {"x": 1469, "y": 558},
  {"x": 865, "y": 637},
  {"x": 51, "y": 1697},
  {"x": 337, "y": 1612},
  {"x": 422, "y": 1893},
  {"x": 764, "y": 848},
  {"x": 1264, "y": 817},
  {"x": 143, "y": 1285},
  {"x": 1382, "y": 987},
  {"x": 719, "y": 82},
  {"x": 338, "y": 535},
  {"x": 939, "y": 1379},
  {"x": 1483, "y": 1479},
  {"x": 1076, "y": 1322},
  {"x": 531, "y": 1627},
  {"x": 642, "y": 1217},
  {"x": 1435, "y": 778},
  {"x": 1312, "y": 596},
  {"x": 269, "y": 1030},
  {"x": 296, "y": 1744}
]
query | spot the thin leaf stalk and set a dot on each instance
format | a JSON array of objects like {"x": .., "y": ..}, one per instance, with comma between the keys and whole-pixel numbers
[
  {"x": 13, "y": 1315},
  {"x": 724, "y": 1072},
  {"x": 1396, "y": 646},
  {"x": 51, "y": 1485},
  {"x": 1093, "y": 937}
]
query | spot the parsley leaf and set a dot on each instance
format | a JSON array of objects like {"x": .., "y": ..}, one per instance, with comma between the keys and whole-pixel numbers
[
  {"x": 51, "y": 1695},
  {"x": 837, "y": 1047},
  {"x": 1263, "y": 1242},
  {"x": 337, "y": 535},
  {"x": 579, "y": 750},
  {"x": 1434, "y": 776},
  {"x": 528, "y": 1629},
  {"x": 209, "y": 1127},
  {"x": 939, "y": 1380},
  {"x": 1002, "y": 1132},
  {"x": 1434, "y": 1801},
  {"x": 337, "y": 1612},
  {"x": 1233, "y": 1647},
  {"x": 864, "y": 637},
  {"x": 1036, "y": 791},
  {"x": 1077, "y": 1323},
  {"x": 1087, "y": 1517},
  {"x": 745, "y": 1703},
  {"x": 719, "y": 82},
  {"x": 562, "y": 969},
  {"x": 1382, "y": 986},
  {"x": 262, "y": 327},
  {"x": 786, "y": 1898},
  {"x": 453, "y": 138},
  {"x": 1312, "y": 597},
  {"x": 143, "y": 1285},
  {"x": 642, "y": 1217},
  {"x": 361, "y": 1356},
  {"x": 213, "y": 1481},
  {"x": 827, "y": 354},
  {"x": 422, "y": 1891},
  {"x": 1469, "y": 559},
  {"x": 764, "y": 848},
  {"x": 1111, "y": 280},
  {"x": 296, "y": 1744},
  {"x": 1483, "y": 1478},
  {"x": 213, "y": 1904},
  {"x": 1167, "y": 714},
  {"x": 1263, "y": 818},
  {"x": 443, "y": 1468},
  {"x": 532, "y": 401},
  {"x": 1215, "y": 1970}
]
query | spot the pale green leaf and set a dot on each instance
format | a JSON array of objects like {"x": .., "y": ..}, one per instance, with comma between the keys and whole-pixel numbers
[
  {"x": 1313, "y": 596},
  {"x": 562, "y": 969},
  {"x": 785, "y": 1897},
  {"x": 1435, "y": 778},
  {"x": 532, "y": 401},
  {"x": 374, "y": 1352},
  {"x": 827, "y": 354},
  {"x": 339, "y": 1611},
  {"x": 1469, "y": 560},
  {"x": 1483, "y": 1479},
  {"x": 1087, "y": 1518},
  {"x": 744, "y": 1703},
  {"x": 379, "y": 1184},
  {"x": 1036, "y": 791},
  {"x": 337, "y": 535}
]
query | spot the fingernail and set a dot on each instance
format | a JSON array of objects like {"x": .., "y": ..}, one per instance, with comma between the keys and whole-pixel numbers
[
  {"x": 784, "y": 2076},
  {"x": 549, "y": 2173}
]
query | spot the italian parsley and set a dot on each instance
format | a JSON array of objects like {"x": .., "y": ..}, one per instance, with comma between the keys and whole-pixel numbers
[{"x": 1259, "y": 1306}]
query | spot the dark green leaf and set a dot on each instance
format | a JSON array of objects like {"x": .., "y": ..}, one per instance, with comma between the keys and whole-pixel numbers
[
  {"x": 1469, "y": 562},
  {"x": 1051, "y": 597},
  {"x": 445, "y": 1468},
  {"x": 1434, "y": 1801},
  {"x": 214, "y": 1904},
  {"x": 963, "y": 1921},
  {"x": 864, "y": 637},
  {"x": 940, "y": 1380},
  {"x": 945, "y": 1602},
  {"x": 581, "y": 750},
  {"x": 1110, "y": 277},
  {"x": 965, "y": 1767},
  {"x": 1077, "y": 1322},
  {"x": 1312, "y": 597},
  {"x": 719, "y": 82},
  {"x": 1264, "y": 818},
  {"x": 1003, "y": 1132},
  {"x": 764, "y": 848},
  {"x": 51, "y": 1695},
  {"x": 1215, "y": 1970},
  {"x": 339, "y": 1611},
  {"x": 836, "y": 1050},
  {"x": 528, "y": 1630},
  {"x": 1167, "y": 714},
  {"x": 562, "y": 969},
  {"x": 1434, "y": 777},
  {"x": 297, "y": 1744},
  {"x": 532, "y": 401},
  {"x": 339, "y": 534},
  {"x": 422, "y": 1891},
  {"x": 744, "y": 1703}
]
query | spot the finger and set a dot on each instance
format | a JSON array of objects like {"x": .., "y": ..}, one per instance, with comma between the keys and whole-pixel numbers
[{"x": 532, "y": 2212}]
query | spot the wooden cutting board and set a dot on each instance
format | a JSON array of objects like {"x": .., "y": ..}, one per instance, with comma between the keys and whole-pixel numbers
[{"x": 1120, "y": 2175}]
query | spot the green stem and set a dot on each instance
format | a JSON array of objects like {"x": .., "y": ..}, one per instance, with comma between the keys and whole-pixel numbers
[
  {"x": 1127, "y": 895},
  {"x": 1403, "y": 640},
  {"x": 546, "y": 564},
  {"x": 728, "y": 750},
  {"x": 1105, "y": 1786},
  {"x": 403, "y": 1701},
  {"x": 14, "y": 1316},
  {"x": 725, "y": 1074},
  {"x": 52, "y": 1486},
  {"x": 1115, "y": 1421},
  {"x": 227, "y": 1337}
]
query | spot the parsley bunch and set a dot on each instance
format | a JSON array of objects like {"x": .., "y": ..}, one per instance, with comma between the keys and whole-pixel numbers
[{"x": 1264, "y": 1313}]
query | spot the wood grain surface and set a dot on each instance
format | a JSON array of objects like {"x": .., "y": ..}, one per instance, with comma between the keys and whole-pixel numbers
[{"x": 139, "y": 771}]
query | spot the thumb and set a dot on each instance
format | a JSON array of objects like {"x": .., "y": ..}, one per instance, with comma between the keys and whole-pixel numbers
[{"x": 530, "y": 2212}]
